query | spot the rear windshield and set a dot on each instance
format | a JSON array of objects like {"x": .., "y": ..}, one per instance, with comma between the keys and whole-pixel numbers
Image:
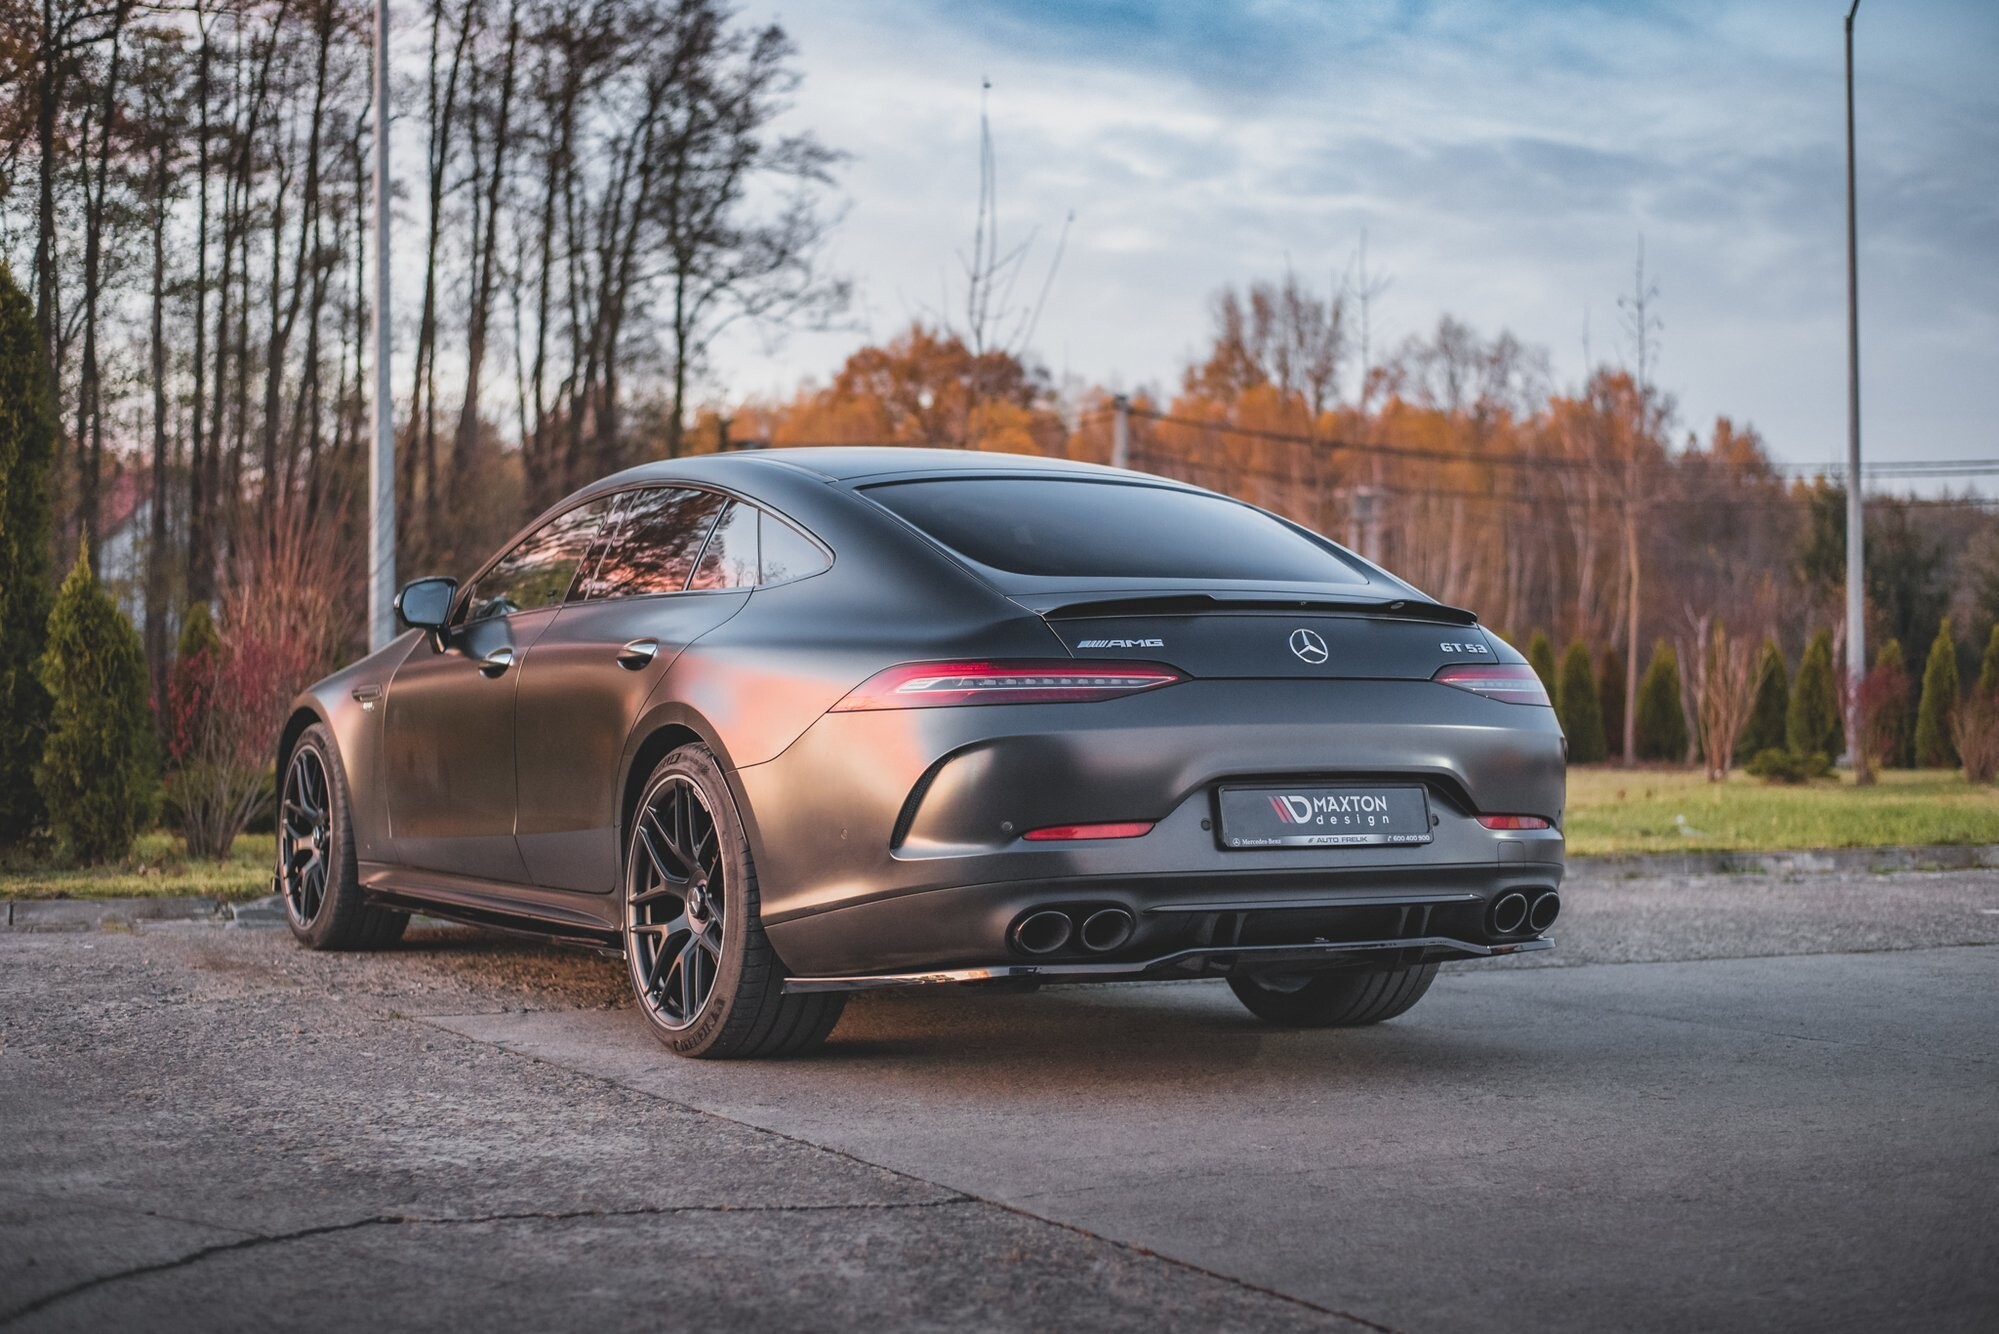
[{"x": 1112, "y": 530}]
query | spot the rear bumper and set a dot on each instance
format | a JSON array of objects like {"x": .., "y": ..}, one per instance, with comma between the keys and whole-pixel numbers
[
  {"x": 973, "y": 926},
  {"x": 891, "y": 841},
  {"x": 1208, "y": 961}
]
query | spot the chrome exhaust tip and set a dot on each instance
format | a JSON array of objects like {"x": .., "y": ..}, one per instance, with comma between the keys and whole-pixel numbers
[
  {"x": 1547, "y": 907},
  {"x": 1508, "y": 913},
  {"x": 1107, "y": 929},
  {"x": 1042, "y": 932}
]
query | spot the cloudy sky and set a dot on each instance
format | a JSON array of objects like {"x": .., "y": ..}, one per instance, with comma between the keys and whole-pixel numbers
[{"x": 1503, "y": 160}]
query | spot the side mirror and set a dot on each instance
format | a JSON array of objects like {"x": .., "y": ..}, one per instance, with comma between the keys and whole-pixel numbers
[{"x": 425, "y": 604}]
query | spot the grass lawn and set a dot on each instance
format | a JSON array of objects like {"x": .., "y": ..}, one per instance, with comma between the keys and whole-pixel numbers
[
  {"x": 159, "y": 866},
  {"x": 1626, "y": 810}
]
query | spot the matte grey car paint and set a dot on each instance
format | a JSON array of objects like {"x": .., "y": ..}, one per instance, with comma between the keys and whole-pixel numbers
[{"x": 889, "y": 841}]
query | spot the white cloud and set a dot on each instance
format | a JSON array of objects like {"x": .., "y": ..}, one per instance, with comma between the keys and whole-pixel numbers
[{"x": 1503, "y": 159}]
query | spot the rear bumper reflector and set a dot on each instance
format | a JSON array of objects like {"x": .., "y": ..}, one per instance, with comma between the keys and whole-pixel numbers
[{"x": 1062, "y": 833}]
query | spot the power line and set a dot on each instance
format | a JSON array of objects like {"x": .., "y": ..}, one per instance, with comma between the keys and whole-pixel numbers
[{"x": 1886, "y": 468}]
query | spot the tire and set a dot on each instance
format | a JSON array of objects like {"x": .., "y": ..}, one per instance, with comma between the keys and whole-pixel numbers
[
  {"x": 1348, "y": 998},
  {"x": 703, "y": 971},
  {"x": 322, "y": 895}
]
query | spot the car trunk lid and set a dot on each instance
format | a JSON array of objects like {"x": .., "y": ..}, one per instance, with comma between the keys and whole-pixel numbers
[{"x": 1276, "y": 636}]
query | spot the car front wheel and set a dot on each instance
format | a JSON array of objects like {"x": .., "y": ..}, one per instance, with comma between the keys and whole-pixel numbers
[
  {"x": 705, "y": 975},
  {"x": 316, "y": 872}
]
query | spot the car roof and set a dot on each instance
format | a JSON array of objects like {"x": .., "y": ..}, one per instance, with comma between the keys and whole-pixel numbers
[{"x": 847, "y": 463}]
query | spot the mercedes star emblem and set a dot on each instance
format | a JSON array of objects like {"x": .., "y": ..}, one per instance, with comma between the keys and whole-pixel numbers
[{"x": 1308, "y": 646}]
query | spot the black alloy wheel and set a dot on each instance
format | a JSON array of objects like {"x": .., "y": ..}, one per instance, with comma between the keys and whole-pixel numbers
[
  {"x": 675, "y": 907},
  {"x": 317, "y": 874},
  {"x": 703, "y": 971},
  {"x": 305, "y": 836}
]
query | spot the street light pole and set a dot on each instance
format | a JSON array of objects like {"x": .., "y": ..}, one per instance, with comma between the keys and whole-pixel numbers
[
  {"x": 1856, "y": 605},
  {"x": 382, "y": 457}
]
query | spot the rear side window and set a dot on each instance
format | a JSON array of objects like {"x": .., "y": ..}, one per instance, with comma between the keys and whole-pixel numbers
[
  {"x": 730, "y": 558},
  {"x": 1078, "y": 527},
  {"x": 538, "y": 571},
  {"x": 656, "y": 537},
  {"x": 788, "y": 553}
]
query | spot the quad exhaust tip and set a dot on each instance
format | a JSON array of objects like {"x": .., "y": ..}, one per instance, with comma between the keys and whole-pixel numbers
[
  {"x": 1106, "y": 929},
  {"x": 1042, "y": 932},
  {"x": 1547, "y": 907},
  {"x": 1509, "y": 913},
  {"x": 1048, "y": 930}
]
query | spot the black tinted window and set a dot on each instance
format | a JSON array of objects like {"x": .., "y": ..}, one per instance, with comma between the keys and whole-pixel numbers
[
  {"x": 538, "y": 571},
  {"x": 730, "y": 558},
  {"x": 788, "y": 553},
  {"x": 655, "y": 538},
  {"x": 1055, "y": 526}
]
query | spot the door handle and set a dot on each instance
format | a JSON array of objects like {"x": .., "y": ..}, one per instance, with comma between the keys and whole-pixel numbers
[
  {"x": 496, "y": 662},
  {"x": 637, "y": 653}
]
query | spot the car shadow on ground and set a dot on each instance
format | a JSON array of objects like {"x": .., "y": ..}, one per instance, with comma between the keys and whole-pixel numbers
[{"x": 1149, "y": 1033}]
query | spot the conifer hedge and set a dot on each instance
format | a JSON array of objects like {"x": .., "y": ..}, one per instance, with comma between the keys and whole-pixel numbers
[
  {"x": 98, "y": 773},
  {"x": 1662, "y": 719},
  {"x": 1610, "y": 700},
  {"x": 1541, "y": 657},
  {"x": 1581, "y": 711},
  {"x": 27, "y": 456},
  {"x": 1812, "y": 724},
  {"x": 1936, "y": 748},
  {"x": 1765, "y": 728}
]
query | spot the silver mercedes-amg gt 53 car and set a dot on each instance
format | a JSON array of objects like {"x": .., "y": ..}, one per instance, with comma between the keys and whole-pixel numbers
[{"x": 780, "y": 725}]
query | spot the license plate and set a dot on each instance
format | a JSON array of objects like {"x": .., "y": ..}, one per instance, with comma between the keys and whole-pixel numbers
[{"x": 1323, "y": 817}]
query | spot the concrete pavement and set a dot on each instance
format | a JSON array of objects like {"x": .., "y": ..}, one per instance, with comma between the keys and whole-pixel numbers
[{"x": 207, "y": 1128}]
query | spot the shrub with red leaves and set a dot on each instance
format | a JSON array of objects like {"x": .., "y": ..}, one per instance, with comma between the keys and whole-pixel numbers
[{"x": 224, "y": 705}]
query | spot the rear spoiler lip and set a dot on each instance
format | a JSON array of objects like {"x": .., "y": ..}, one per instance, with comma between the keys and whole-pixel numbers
[{"x": 1081, "y": 605}]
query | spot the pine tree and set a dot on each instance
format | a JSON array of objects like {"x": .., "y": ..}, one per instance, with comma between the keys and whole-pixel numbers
[
  {"x": 1610, "y": 701},
  {"x": 27, "y": 456},
  {"x": 1662, "y": 719},
  {"x": 197, "y": 633},
  {"x": 1988, "y": 666},
  {"x": 1541, "y": 657},
  {"x": 1582, "y": 713},
  {"x": 1813, "y": 725},
  {"x": 1936, "y": 748},
  {"x": 1892, "y": 726},
  {"x": 1765, "y": 729},
  {"x": 98, "y": 770}
]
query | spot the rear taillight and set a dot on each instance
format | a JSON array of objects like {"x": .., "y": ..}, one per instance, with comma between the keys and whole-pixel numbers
[
  {"x": 931, "y": 685},
  {"x": 1508, "y": 682},
  {"x": 1064, "y": 833},
  {"x": 1513, "y": 822}
]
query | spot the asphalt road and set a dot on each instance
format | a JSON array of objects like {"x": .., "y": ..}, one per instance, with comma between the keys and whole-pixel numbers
[{"x": 1728, "y": 1103}]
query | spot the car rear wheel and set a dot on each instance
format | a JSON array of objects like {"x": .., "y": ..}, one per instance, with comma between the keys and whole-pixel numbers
[
  {"x": 1344, "y": 999},
  {"x": 316, "y": 874},
  {"x": 705, "y": 975}
]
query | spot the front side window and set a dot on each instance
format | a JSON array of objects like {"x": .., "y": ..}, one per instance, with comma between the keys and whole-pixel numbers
[
  {"x": 538, "y": 571},
  {"x": 658, "y": 535}
]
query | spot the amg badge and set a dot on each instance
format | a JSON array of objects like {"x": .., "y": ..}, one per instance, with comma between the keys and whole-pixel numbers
[{"x": 1120, "y": 643}]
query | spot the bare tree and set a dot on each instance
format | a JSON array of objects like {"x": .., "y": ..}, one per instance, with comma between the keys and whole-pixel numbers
[{"x": 1721, "y": 678}]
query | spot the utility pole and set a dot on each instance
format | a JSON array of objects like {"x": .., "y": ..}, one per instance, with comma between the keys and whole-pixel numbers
[
  {"x": 382, "y": 457},
  {"x": 1121, "y": 431},
  {"x": 1856, "y": 602}
]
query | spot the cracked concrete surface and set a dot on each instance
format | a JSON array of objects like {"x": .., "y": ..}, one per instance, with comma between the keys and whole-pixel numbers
[
  {"x": 210, "y": 1129},
  {"x": 204, "y": 1128}
]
